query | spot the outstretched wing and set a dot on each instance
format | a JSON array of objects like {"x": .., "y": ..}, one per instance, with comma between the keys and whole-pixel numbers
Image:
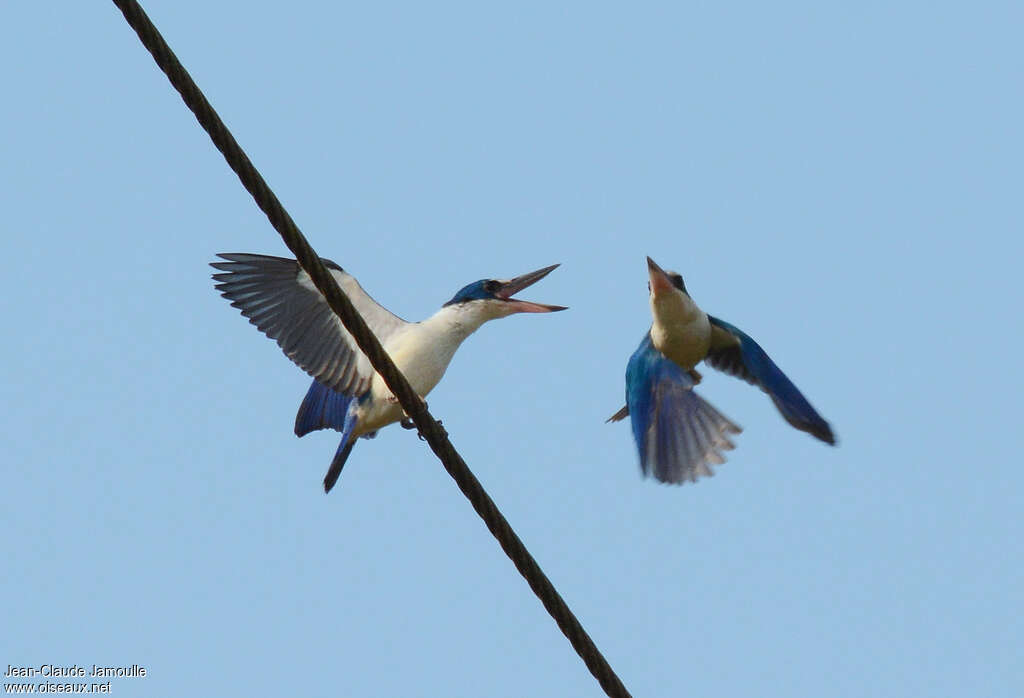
[
  {"x": 280, "y": 299},
  {"x": 735, "y": 353},
  {"x": 678, "y": 434}
]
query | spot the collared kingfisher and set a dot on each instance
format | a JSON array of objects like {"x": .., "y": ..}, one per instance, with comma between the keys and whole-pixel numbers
[
  {"x": 678, "y": 433},
  {"x": 347, "y": 395}
]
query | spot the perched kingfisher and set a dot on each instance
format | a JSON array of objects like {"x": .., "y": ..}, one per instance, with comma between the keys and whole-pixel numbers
[
  {"x": 678, "y": 433},
  {"x": 347, "y": 395}
]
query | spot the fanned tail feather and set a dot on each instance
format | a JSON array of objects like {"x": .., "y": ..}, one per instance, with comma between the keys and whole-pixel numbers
[
  {"x": 678, "y": 434},
  {"x": 685, "y": 435}
]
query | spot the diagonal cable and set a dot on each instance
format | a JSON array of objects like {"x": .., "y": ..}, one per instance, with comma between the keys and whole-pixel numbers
[{"x": 370, "y": 345}]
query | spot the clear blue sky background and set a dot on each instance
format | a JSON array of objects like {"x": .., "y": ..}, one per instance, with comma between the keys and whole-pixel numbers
[{"x": 842, "y": 181}]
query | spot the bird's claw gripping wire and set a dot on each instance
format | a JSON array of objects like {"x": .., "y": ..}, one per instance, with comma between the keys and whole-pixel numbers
[{"x": 408, "y": 424}]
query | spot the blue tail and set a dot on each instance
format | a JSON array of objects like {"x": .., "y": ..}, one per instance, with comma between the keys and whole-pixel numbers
[
  {"x": 677, "y": 433},
  {"x": 340, "y": 456},
  {"x": 324, "y": 408}
]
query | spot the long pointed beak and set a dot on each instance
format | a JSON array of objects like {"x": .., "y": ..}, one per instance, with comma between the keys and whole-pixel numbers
[
  {"x": 513, "y": 286},
  {"x": 660, "y": 283}
]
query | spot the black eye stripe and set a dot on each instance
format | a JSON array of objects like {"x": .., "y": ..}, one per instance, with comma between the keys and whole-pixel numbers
[{"x": 492, "y": 286}]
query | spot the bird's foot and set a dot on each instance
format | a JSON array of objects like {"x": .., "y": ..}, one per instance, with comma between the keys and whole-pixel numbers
[
  {"x": 406, "y": 422},
  {"x": 443, "y": 430}
]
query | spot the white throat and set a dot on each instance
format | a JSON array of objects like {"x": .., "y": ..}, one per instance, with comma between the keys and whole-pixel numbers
[
  {"x": 422, "y": 352},
  {"x": 681, "y": 330}
]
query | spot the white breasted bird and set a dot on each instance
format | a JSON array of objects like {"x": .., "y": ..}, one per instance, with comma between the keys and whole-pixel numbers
[
  {"x": 678, "y": 434},
  {"x": 347, "y": 395}
]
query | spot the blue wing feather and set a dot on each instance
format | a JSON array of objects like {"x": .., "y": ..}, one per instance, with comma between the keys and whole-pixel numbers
[
  {"x": 324, "y": 408},
  {"x": 677, "y": 433},
  {"x": 747, "y": 360}
]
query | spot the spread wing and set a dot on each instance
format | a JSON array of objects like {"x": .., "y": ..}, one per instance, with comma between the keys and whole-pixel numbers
[
  {"x": 280, "y": 299},
  {"x": 735, "y": 353}
]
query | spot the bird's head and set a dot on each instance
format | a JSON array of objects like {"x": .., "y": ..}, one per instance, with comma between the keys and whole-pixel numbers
[
  {"x": 493, "y": 297},
  {"x": 670, "y": 301},
  {"x": 663, "y": 282}
]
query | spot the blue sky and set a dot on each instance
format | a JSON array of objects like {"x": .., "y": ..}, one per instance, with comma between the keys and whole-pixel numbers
[{"x": 840, "y": 181}]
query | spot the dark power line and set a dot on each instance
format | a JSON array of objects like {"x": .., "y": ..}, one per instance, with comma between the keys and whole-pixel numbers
[{"x": 370, "y": 345}]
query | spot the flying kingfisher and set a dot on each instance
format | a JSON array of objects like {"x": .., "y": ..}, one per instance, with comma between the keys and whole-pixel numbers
[
  {"x": 347, "y": 395},
  {"x": 678, "y": 433}
]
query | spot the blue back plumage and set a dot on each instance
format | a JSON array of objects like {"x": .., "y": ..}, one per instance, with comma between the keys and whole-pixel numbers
[
  {"x": 677, "y": 433},
  {"x": 322, "y": 408},
  {"x": 647, "y": 368},
  {"x": 752, "y": 364}
]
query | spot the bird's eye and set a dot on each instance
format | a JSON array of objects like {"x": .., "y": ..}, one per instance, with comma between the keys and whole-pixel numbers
[
  {"x": 677, "y": 281},
  {"x": 492, "y": 286}
]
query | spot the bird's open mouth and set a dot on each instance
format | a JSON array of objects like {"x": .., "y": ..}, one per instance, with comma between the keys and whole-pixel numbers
[{"x": 513, "y": 286}]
